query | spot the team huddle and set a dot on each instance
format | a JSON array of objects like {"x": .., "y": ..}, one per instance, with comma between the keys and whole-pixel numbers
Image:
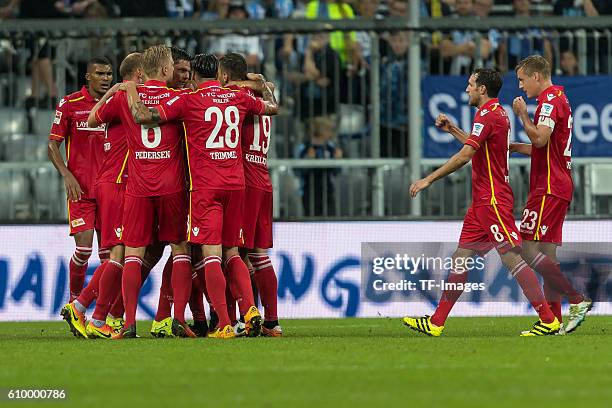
[
  {"x": 489, "y": 222},
  {"x": 193, "y": 135}
]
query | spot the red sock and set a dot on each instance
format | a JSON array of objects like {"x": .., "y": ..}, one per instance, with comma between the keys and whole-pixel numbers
[
  {"x": 110, "y": 287},
  {"x": 239, "y": 283},
  {"x": 164, "y": 304},
  {"x": 196, "y": 300},
  {"x": 104, "y": 254},
  {"x": 130, "y": 284},
  {"x": 78, "y": 268},
  {"x": 551, "y": 272},
  {"x": 526, "y": 278},
  {"x": 90, "y": 293},
  {"x": 231, "y": 306},
  {"x": 448, "y": 298},
  {"x": 554, "y": 301},
  {"x": 117, "y": 309},
  {"x": 181, "y": 285},
  {"x": 215, "y": 286},
  {"x": 267, "y": 284}
]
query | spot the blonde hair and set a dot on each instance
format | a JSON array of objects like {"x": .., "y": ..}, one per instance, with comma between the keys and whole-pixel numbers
[
  {"x": 534, "y": 63},
  {"x": 154, "y": 58}
]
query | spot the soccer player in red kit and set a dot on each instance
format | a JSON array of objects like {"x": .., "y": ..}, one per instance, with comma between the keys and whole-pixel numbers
[
  {"x": 84, "y": 151},
  {"x": 550, "y": 185},
  {"x": 213, "y": 117},
  {"x": 257, "y": 218},
  {"x": 488, "y": 222},
  {"x": 105, "y": 283},
  {"x": 155, "y": 197}
]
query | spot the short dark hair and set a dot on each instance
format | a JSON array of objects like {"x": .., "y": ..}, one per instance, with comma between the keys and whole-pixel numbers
[
  {"x": 491, "y": 79},
  {"x": 179, "y": 54},
  {"x": 535, "y": 63},
  {"x": 130, "y": 64},
  {"x": 98, "y": 61},
  {"x": 205, "y": 65},
  {"x": 235, "y": 66}
]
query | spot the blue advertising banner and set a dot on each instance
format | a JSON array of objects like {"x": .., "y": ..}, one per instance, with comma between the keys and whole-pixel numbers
[{"x": 589, "y": 96}]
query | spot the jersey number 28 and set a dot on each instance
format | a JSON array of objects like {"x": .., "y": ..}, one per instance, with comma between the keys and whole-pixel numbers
[{"x": 231, "y": 115}]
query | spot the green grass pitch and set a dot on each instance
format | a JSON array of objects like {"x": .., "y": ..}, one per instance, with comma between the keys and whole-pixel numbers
[{"x": 319, "y": 363}]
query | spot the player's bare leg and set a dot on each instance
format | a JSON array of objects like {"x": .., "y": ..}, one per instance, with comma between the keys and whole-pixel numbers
[
  {"x": 266, "y": 281},
  {"x": 434, "y": 325},
  {"x": 130, "y": 284},
  {"x": 240, "y": 286},
  {"x": 215, "y": 287},
  {"x": 542, "y": 256},
  {"x": 181, "y": 287},
  {"x": 526, "y": 278}
]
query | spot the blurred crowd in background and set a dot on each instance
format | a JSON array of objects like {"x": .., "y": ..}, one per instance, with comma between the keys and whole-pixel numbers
[{"x": 324, "y": 79}]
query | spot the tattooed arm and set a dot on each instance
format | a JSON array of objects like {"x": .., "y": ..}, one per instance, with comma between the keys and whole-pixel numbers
[
  {"x": 141, "y": 114},
  {"x": 269, "y": 99}
]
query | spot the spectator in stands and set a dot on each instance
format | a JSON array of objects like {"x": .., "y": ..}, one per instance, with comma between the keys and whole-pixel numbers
[
  {"x": 270, "y": 8},
  {"x": 367, "y": 10},
  {"x": 181, "y": 8},
  {"x": 394, "y": 97},
  {"x": 461, "y": 47},
  {"x": 343, "y": 42},
  {"x": 596, "y": 58},
  {"x": 522, "y": 44},
  {"x": 482, "y": 8},
  {"x": 320, "y": 72},
  {"x": 41, "y": 51},
  {"x": 216, "y": 10},
  {"x": 318, "y": 184},
  {"x": 578, "y": 8},
  {"x": 249, "y": 46},
  {"x": 569, "y": 63}
]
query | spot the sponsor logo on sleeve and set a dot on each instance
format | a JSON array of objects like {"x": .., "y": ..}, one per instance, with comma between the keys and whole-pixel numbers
[
  {"x": 546, "y": 110},
  {"x": 477, "y": 129},
  {"x": 171, "y": 101},
  {"x": 62, "y": 102},
  {"x": 58, "y": 117}
]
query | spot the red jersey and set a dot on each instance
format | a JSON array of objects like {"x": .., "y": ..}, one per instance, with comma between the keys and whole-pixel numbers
[
  {"x": 84, "y": 149},
  {"x": 255, "y": 144},
  {"x": 114, "y": 165},
  {"x": 155, "y": 158},
  {"x": 551, "y": 165},
  {"x": 213, "y": 118},
  {"x": 491, "y": 137}
]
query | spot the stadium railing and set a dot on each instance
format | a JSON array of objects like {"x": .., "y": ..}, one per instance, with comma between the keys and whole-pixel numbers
[{"x": 381, "y": 133}]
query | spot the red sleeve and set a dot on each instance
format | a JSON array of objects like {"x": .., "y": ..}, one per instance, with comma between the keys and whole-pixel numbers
[
  {"x": 255, "y": 106},
  {"x": 480, "y": 132},
  {"x": 109, "y": 112},
  {"x": 172, "y": 109},
  {"x": 61, "y": 121}
]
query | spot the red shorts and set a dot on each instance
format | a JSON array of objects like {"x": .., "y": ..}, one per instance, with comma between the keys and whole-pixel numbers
[
  {"x": 144, "y": 216},
  {"x": 215, "y": 217},
  {"x": 83, "y": 215},
  {"x": 257, "y": 218},
  {"x": 543, "y": 219},
  {"x": 110, "y": 207},
  {"x": 489, "y": 226}
]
